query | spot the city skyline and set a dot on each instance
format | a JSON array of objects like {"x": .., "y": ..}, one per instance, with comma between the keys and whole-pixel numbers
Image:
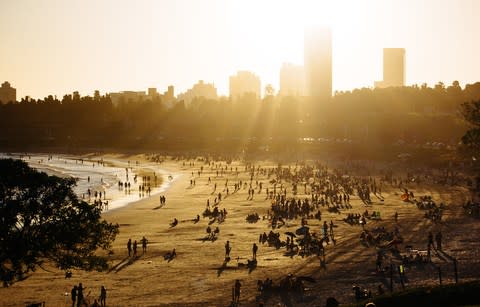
[{"x": 57, "y": 48}]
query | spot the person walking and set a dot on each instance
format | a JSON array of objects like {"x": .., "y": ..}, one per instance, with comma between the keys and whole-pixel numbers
[
  {"x": 430, "y": 240},
  {"x": 144, "y": 244},
  {"x": 80, "y": 289},
  {"x": 325, "y": 229},
  {"x": 73, "y": 294},
  {"x": 236, "y": 291},
  {"x": 103, "y": 296},
  {"x": 331, "y": 232},
  {"x": 135, "y": 248},
  {"x": 227, "y": 249},
  {"x": 254, "y": 251},
  {"x": 129, "y": 247},
  {"x": 438, "y": 238}
]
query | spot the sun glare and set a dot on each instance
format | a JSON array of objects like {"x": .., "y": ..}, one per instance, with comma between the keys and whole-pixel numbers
[
  {"x": 285, "y": 15},
  {"x": 259, "y": 27}
]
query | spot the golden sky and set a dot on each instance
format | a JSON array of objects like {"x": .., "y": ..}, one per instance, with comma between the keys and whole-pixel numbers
[{"x": 58, "y": 46}]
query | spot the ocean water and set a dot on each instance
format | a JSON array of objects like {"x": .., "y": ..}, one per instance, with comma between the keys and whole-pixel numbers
[{"x": 98, "y": 175}]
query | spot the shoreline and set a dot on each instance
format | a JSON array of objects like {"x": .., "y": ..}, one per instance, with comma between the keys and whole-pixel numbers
[{"x": 116, "y": 198}]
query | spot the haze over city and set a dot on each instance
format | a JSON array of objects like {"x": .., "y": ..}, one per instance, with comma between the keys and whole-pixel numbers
[
  {"x": 56, "y": 47},
  {"x": 261, "y": 153}
]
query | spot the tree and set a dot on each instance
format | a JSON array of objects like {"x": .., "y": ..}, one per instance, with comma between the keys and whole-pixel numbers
[
  {"x": 471, "y": 113},
  {"x": 269, "y": 90},
  {"x": 42, "y": 219}
]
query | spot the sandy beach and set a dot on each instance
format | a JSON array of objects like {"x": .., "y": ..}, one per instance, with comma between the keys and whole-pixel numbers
[{"x": 196, "y": 276}]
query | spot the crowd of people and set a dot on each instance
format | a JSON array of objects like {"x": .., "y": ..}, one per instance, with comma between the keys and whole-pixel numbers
[
  {"x": 79, "y": 299},
  {"x": 297, "y": 194},
  {"x": 132, "y": 247},
  {"x": 432, "y": 210}
]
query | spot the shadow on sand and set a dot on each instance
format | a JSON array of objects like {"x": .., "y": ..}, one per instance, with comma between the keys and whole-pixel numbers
[{"x": 123, "y": 264}]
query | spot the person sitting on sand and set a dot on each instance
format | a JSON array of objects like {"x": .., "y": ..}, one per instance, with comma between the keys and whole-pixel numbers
[
  {"x": 170, "y": 255},
  {"x": 174, "y": 223}
]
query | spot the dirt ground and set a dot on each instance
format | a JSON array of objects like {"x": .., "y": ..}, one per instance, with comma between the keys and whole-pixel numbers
[{"x": 196, "y": 276}]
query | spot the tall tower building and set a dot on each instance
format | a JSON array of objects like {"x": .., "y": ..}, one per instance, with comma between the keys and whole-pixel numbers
[
  {"x": 318, "y": 62},
  {"x": 393, "y": 68},
  {"x": 292, "y": 80}
]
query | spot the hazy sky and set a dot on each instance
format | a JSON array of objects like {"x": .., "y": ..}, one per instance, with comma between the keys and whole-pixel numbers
[{"x": 57, "y": 46}]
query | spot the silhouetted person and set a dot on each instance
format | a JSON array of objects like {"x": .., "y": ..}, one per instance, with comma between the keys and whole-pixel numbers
[
  {"x": 135, "y": 248},
  {"x": 254, "y": 251},
  {"x": 236, "y": 296},
  {"x": 73, "y": 293},
  {"x": 103, "y": 296},
  {"x": 170, "y": 255},
  {"x": 227, "y": 249},
  {"x": 144, "y": 245},
  {"x": 430, "y": 240},
  {"x": 129, "y": 247},
  {"x": 80, "y": 289},
  {"x": 438, "y": 238}
]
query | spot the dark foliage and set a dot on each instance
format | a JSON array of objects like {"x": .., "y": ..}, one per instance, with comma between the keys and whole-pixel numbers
[
  {"x": 411, "y": 115},
  {"x": 42, "y": 219},
  {"x": 471, "y": 113}
]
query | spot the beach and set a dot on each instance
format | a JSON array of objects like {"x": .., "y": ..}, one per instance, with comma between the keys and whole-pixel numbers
[{"x": 197, "y": 276}]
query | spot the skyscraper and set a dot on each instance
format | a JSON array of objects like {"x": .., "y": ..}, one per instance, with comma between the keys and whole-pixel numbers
[
  {"x": 292, "y": 80},
  {"x": 393, "y": 68},
  {"x": 318, "y": 62},
  {"x": 244, "y": 82}
]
